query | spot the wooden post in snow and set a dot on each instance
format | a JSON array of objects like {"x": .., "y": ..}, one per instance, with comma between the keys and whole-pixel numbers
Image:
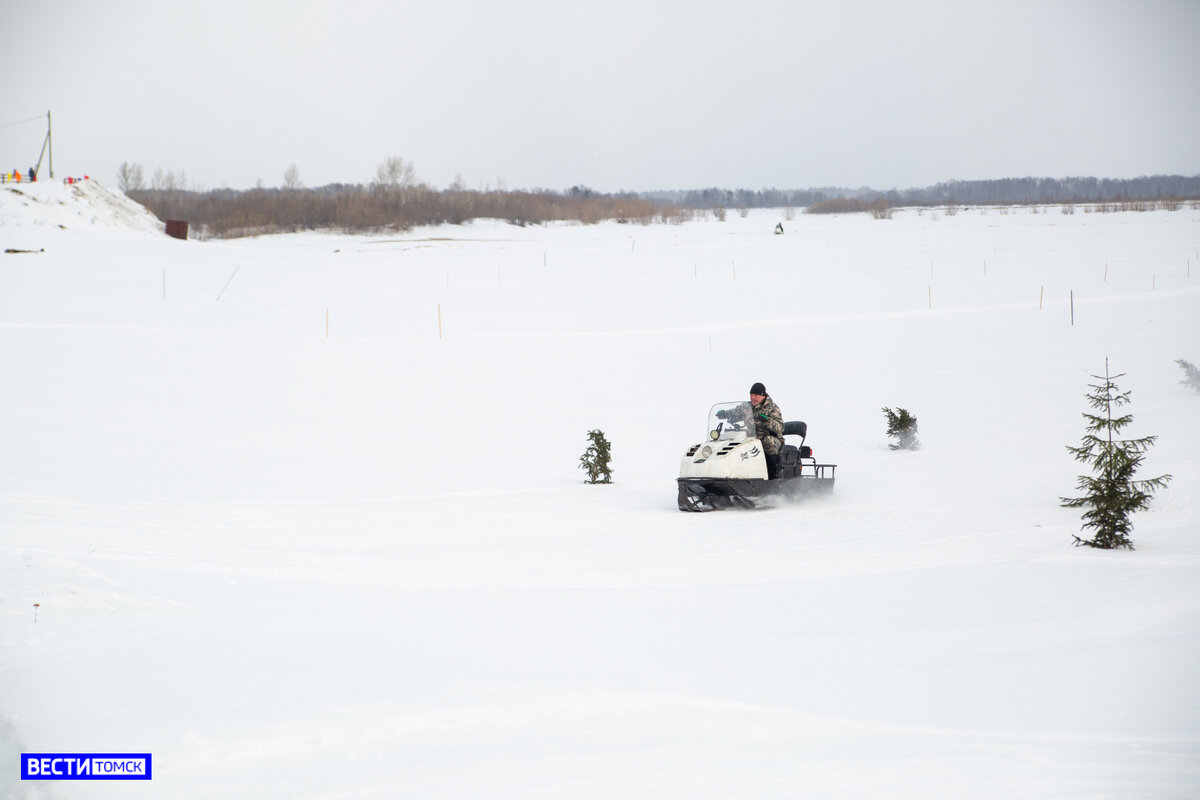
[{"x": 226, "y": 286}]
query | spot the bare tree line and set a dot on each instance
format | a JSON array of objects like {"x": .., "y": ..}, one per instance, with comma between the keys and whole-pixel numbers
[
  {"x": 1166, "y": 191},
  {"x": 396, "y": 200},
  {"x": 230, "y": 213},
  {"x": 1005, "y": 191}
]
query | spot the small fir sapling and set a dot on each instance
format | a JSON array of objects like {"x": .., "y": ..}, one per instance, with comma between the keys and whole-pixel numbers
[
  {"x": 1191, "y": 373},
  {"x": 596, "y": 458},
  {"x": 902, "y": 426},
  {"x": 1111, "y": 495}
]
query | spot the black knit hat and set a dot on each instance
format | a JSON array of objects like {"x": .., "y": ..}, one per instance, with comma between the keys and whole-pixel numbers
[{"x": 758, "y": 388}]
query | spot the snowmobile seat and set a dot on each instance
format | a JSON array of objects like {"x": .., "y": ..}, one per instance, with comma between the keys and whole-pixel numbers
[
  {"x": 796, "y": 429},
  {"x": 791, "y": 454}
]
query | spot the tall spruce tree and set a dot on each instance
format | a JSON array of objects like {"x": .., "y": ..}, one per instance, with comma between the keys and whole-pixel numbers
[{"x": 1111, "y": 495}]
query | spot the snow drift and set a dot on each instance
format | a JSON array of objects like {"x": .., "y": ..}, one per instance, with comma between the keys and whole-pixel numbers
[{"x": 29, "y": 208}]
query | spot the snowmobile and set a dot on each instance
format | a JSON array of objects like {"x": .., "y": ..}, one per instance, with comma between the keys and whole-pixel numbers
[{"x": 730, "y": 470}]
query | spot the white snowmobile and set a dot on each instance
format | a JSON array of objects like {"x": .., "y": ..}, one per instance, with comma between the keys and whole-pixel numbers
[{"x": 731, "y": 470}]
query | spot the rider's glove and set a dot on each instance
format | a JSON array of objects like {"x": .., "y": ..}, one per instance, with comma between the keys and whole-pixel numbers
[{"x": 722, "y": 414}]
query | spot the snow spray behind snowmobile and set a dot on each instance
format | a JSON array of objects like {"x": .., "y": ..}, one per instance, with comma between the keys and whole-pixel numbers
[{"x": 730, "y": 469}]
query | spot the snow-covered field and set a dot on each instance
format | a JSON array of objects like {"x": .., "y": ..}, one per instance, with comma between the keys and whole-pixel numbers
[{"x": 360, "y": 561}]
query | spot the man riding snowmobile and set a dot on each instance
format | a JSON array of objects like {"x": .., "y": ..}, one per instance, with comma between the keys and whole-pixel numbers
[{"x": 768, "y": 422}]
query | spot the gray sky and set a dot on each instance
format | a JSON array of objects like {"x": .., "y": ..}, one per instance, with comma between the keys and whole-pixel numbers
[{"x": 621, "y": 94}]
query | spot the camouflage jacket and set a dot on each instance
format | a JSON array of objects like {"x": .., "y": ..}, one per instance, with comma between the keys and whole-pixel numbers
[{"x": 768, "y": 423}]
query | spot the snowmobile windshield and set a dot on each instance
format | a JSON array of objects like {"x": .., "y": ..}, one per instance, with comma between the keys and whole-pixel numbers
[{"x": 731, "y": 421}]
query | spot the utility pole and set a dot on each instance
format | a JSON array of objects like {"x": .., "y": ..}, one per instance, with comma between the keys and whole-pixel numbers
[{"x": 46, "y": 144}]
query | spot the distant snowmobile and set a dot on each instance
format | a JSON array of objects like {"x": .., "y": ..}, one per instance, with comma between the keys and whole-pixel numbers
[{"x": 730, "y": 469}]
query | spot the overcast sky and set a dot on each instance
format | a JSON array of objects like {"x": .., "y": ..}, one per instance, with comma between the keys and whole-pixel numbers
[{"x": 619, "y": 94}]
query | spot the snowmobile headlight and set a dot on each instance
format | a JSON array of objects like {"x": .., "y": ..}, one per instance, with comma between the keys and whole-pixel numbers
[
  {"x": 706, "y": 451},
  {"x": 714, "y": 435}
]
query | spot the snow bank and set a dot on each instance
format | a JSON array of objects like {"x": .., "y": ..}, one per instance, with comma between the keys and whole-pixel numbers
[{"x": 31, "y": 209}]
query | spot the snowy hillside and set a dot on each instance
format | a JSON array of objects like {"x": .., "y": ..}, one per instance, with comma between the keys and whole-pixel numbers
[
  {"x": 302, "y": 516},
  {"x": 34, "y": 208}
]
